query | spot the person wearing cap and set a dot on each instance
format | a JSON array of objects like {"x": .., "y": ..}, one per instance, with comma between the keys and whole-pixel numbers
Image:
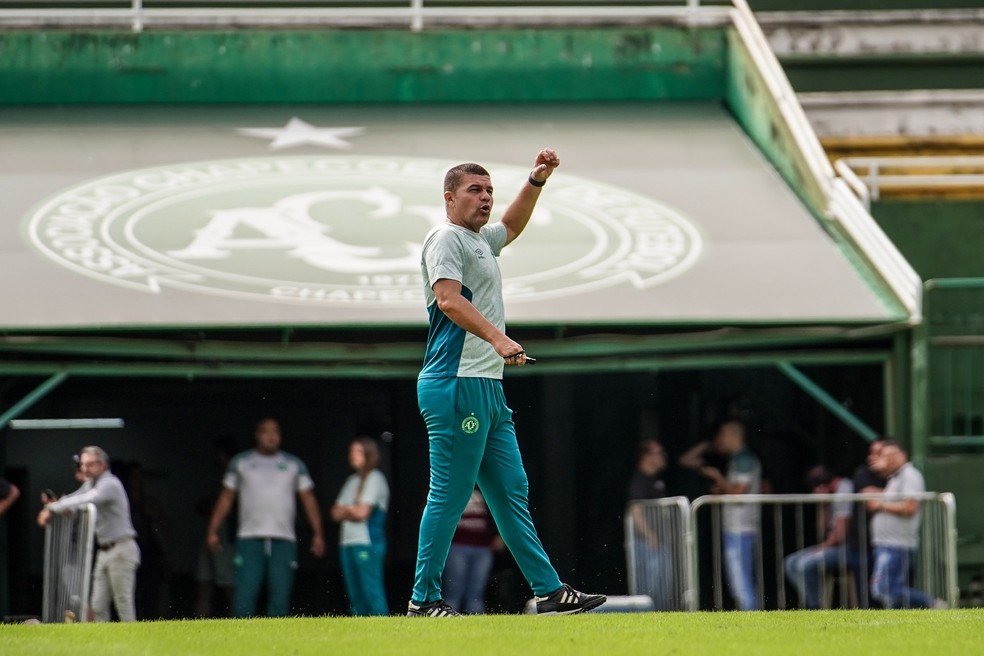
[{"x": 115, "y": 574}]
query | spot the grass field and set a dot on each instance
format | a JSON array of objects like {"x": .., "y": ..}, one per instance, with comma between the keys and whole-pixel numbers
[{"x": 793, "y": 633}]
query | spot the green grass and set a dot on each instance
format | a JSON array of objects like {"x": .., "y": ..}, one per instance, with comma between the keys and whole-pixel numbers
[{"x": 792, "y": 633}]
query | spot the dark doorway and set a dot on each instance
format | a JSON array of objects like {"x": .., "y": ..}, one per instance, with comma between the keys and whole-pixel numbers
[{"x": 578, "y": 435}]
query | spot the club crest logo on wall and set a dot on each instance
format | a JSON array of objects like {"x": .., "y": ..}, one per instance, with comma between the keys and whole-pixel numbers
[{"x": 343, "y": 230}]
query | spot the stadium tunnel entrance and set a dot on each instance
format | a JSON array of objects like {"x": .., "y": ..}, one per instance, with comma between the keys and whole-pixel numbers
[{"x": 578, "y": 434}]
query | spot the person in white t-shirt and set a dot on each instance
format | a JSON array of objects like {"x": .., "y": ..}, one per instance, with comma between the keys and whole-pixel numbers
[
  {"x": 471, "y": 434},
  {"x": 268, "y": 482}
]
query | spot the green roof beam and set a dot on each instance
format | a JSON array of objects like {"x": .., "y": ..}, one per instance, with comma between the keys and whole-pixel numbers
[
  {"x": 33, "y": 397},
  {"x": 571, "y": 365},
  {"x": 827, "y": 401}
]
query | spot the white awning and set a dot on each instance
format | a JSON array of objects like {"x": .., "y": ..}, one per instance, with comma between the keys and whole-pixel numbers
[{"x": 153, "y": 218}]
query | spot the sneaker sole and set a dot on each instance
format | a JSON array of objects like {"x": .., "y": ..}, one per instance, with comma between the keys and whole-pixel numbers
[
  {"x": 412, "y": 614},
  {"x": 591, "y": 605}
]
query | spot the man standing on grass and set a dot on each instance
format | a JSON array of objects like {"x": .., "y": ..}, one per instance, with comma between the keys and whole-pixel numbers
[
  {"x": 459, "y": 390},
  {"x": 267, "y": 481},
  {"x": 115, "y": 574}
]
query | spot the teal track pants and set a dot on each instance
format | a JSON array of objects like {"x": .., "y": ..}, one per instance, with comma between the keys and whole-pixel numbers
[
  {"x": 362, "y": 571},
  {"x": 259, "y": 559},
  {"x": 473, "y": 439}
]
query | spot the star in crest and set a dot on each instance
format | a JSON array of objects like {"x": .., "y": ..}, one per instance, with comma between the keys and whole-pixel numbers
[{"x": 300, "y": 133}]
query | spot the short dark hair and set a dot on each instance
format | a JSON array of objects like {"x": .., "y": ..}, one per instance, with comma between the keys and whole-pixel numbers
[
  {"x": 818, "y": 475},
  {"x": 891, "y": 441},
  {"x": 453, "y": 177}
]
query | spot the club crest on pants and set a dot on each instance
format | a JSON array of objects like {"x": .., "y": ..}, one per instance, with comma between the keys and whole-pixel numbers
[{"x": 470, "y": 424}]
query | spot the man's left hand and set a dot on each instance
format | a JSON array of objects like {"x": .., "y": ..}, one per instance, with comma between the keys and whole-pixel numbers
[
  {"x": 318, "y": 546},
  {"x": 546, "y": 162}
]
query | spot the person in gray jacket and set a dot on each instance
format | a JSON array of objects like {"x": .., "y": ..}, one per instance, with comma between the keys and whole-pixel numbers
[{"x": 115, "y": 575}]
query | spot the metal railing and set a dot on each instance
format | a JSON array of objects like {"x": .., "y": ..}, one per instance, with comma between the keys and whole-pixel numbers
[
  {"x": 692, "y": 565},
  {"x": 68, "y": 557},
  {"x": 141, "y": 14},
  {"x": 870, "y": 177},
  {"x": 657, "y": 551}
]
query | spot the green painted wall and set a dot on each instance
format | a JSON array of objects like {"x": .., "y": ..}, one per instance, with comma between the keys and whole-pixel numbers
[
  {"x": 962, "y": 475},
  {"x": 324, "y": 66},
  {"x": 940, "y": 238},
  {"x": 808, "y": 73}
]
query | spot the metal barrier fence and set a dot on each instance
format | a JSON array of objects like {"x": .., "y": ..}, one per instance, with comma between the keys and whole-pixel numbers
[
  {"x": 679, "y": 550},
  {"x": 68, "y": 557},
  {"x": 657, "y": 551}
]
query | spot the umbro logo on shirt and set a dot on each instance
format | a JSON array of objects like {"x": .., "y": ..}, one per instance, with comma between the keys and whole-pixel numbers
[{"x": 480, "y": 253}]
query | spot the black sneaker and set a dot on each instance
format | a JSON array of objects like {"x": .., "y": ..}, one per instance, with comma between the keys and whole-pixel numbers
[
  {"x": 437, "y": 608},
  {"x": 567, "y": 601}
]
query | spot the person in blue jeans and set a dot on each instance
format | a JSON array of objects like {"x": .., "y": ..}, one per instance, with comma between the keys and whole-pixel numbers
[
  {"x": 470, "y": 429},
  {"x": 473, "y": 548},
  {"x": 361, "y": 510},
  {"x": 860, "y": 552},
  {"x": 805, "y": 568},
  {"x": 652, "y": 530},
  {"x": 895, "y": 531},
  {"x": 740, "y": 520}
]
